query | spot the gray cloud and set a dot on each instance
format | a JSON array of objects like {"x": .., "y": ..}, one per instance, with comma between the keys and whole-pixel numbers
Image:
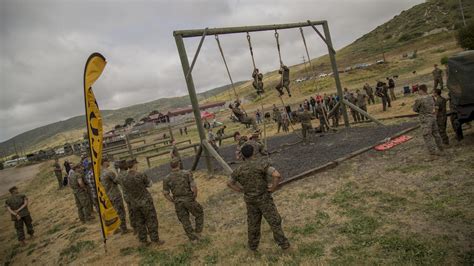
[{"x": 44, "y": 45}]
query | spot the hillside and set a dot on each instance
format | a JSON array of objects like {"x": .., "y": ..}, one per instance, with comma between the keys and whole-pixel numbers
[{"x": 72, "y": 129}]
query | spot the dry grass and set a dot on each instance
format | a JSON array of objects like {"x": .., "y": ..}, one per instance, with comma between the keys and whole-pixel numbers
[{"x": 388, "y": 208}]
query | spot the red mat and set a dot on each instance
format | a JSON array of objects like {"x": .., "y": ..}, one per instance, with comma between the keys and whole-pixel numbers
[{"x": 392, "y": 143}]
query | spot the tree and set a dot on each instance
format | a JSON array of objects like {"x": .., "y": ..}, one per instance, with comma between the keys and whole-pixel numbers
[
  {"x": 465, "y": 36},
  {"x": 129, "y": 121}
]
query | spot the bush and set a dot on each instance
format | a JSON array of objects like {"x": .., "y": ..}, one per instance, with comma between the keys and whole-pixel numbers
[
  {"x": 465, "y": 36},
  {"x": 444, "y": 60}
]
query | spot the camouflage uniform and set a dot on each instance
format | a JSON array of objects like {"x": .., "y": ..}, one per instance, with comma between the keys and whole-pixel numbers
[
  {"x": 441, "y": 118},
  {"x": 15, "y": 201},
  {"x": 354, "y": 113},
  {"x": 179, "y": 183},
  {"x": 370, "y": 93},
  {"x": 175, "y": 154},
  {"x": 58, "y": 174},
  {"x": 335, "y": 114},
  {"x": 437, "y": 78},
  {"x": 110, "y": 183},
  {"x": 362, "y": 104},
  {"x": 284, "y": 81},
  {"x": 243, "y": 118},
  {"x": 81, "y": 195},
  {"x": 258, "y": 147},
  {"x": 277, "y": 118},
  {"x": 257, "y": 81},
  {"x": 424, "y": 105},
  {"x": 120, "y": 179},
  {"x": 141, "y": 203},
  {"x": 382, "y": 92},
  {"x": 323, "y": 126},
  {"x": 305, "y": 119},
  {"x": 252, "y": 176}
]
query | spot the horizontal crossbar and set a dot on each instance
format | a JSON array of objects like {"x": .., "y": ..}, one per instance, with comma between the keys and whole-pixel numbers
[{"x": 243, "y": 29}]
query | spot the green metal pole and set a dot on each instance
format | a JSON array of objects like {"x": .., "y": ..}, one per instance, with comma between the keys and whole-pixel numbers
[
  {"x": 192, "y": 95},
  {"x": 332, "y": 56}
]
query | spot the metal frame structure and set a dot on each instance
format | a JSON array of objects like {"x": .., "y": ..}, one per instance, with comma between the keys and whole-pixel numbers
[{"x": 179, "y": 35}]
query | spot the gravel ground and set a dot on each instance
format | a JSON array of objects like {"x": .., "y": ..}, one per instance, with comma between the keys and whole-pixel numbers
[{"x": 291, "y": 160}]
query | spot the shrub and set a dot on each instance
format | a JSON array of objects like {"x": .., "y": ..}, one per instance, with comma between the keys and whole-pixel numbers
[{"x": 465, "y": 36}]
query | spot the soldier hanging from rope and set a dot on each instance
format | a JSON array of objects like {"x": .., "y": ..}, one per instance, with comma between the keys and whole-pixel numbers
[
  {"x": 284, "y": 81},
  {"x": 257, "y": 81},
  {"x": 241, "y": 116}
]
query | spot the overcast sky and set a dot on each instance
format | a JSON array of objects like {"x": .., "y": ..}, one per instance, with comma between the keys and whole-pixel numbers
[{"x": 44, "y": 46}]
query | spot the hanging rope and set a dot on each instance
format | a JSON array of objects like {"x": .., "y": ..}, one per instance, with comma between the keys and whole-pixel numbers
[
  {"x": 226, "y": 67},
  {"x": 251, "y": 50},
  {"x": 278, "y": 46}
]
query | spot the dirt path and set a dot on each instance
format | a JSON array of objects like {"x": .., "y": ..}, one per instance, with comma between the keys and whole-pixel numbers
[{"x": 10, "y": 176}]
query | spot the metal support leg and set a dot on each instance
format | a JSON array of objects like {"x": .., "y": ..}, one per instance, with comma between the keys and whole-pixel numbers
[
  {"x": 335, "y": 72},
  {"x": 192, "y": 95},
  {"x": 362, "y": 112},
  {"x": 216, "y": 156}
]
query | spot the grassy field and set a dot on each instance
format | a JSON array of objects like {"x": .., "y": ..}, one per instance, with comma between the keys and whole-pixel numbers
[{"x": 378, "y": 208}]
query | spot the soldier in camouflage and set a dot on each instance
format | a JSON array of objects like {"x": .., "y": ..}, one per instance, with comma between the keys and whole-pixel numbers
[
  {"x": 321, "y": 113},
  {"x": 58, "y": 172},
  {"x": 17, "y": 206},
  {"x": 257, "y": 144},
  {"x": 284, "y": 81},
  {"x": 362, "y": 103},
  {"x": 81, "y": 193},
  {"x": 425, "y": 107},
  {"x": 437, "y": 77},
  {"x": 250, "y": 178},
  {"x": 122, "y": 175},
  {"x": 257, "y": 81},
  {"x": 135, "y": 186},
  {"x": 240, "y": 142},
  {"x": 441, "y": 116},
  {"x": 175, "y": 153},
  {"x": 110, "y": 183},
  {"x": 179, "y": 188},
  {"x": 352, "y": 99},
  {"x": 305, "y": 119},
  {"x": 277, "y": 117},
  {"x": 242, "y": 117}
]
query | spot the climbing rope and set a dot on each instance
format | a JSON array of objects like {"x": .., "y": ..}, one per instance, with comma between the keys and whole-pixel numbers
[
  {"x": 226, "y": 67},
  {"x": 251, "y": 50}
]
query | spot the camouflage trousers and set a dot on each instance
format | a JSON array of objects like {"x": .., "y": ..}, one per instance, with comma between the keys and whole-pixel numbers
[
  {"x": 355, "y": 115},
  {"x": 364, "y": 108},
  {"x": 392, "y": 94},
  {"x": 258, "y": 86},
  {"x": 429, "y": 129},
  {"x": 285, "y": 84},
  {"x": 264, "y": 207},
  {"x": 183, "y": 209},
  {"x": 370, "y": 98},
  {"x": 59, "y": 177},
  {"x": 83, "y": 204},
  {"x": 131, "y": 216},
  {"x": 117, "y": 203},
  {"x": 145, "y": 221},
  {"x": 305, "y": 130},
  {"x": 438, "y": 82},
  {"x": 323, "y": 126},
  {"x": 20, "y": 232},
  {"x": 441, "y": 121}
]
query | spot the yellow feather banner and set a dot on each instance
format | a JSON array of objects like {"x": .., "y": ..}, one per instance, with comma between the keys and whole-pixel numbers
[{"x": 109, "y": 219}]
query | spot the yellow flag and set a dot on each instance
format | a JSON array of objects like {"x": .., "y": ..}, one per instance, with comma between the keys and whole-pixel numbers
[{"x": 109, "y": 219}]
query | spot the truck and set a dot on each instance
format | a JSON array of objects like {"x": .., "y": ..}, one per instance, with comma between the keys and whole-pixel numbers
[{"x": 460, "y": 83}]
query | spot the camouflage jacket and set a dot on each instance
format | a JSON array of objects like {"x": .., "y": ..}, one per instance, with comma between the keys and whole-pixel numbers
[
  {"x": 252, "y": 175},
  {"x": 135, "y": 185},
  {"x": 424, "y": 105},
  {"x": 14, "y": 202},
  {"x": 440, "y": 106},
  {"x": 179, "y": 183},
  {"x": 305, "y": 117},
  {"x": 110, "y": 183},
  {"x": 437, "y": 73},
  {"x": 74, "y": 177},
  {"x": 361, "y": 99}
]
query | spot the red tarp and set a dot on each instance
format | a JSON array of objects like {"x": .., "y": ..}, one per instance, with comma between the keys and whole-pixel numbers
[
  {"x": 392, "y": 143},
  {"x": 207, "y": 115}
]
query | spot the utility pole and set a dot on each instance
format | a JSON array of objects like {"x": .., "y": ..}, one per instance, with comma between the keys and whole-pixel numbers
[
  {"x": 462, "y": 13},
  {"x": 304, "y": 63}
]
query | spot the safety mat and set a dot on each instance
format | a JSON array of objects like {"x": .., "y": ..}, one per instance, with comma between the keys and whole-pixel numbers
[{"x": 392, "y": 143}]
